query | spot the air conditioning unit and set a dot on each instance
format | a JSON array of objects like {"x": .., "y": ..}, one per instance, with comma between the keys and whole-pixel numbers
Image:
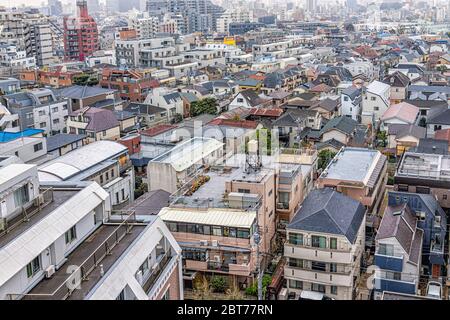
[
  {"x": 217, "y": 258},
  {"x": 215, "y": 243},
  {"x": 50, "y": 271},
  {"x": 203, "y": 242}
]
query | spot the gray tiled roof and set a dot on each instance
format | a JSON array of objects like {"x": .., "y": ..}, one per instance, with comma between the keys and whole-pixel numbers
[
  {"x": 62, "y": 139},
  {"x": 79, "y": 92},
  {"x": 328, "y": 211}
]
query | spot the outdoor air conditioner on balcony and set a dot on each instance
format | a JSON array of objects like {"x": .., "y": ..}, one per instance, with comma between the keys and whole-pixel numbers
[
  {"x": 217, "y": 258},
  {"x": 50, "y": 271},
  {"x": 214, "y": 243}
]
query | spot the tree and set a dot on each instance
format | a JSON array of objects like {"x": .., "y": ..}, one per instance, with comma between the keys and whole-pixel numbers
[
  {"x": 202, "y": 291},
  {"x": 253, "y": 289},
  {"x": 266, "y": 144},
  {"x": 206, "y": 105},
  {"x": 140, "y": 187},
  {"x": 84, "y": 79},
  {"x": 177, "y": 118},
  {"x": 234, "y": 293},
  {"x": 382, "y": 138},
  {"x": 422, "y": 122},
  {"x": 218, "y": 283},
  {"x": 325, "y": 156}
]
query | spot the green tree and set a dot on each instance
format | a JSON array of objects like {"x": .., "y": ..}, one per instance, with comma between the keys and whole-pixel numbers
[
  {"x": 253, "y": 289},
  {"x": 206, "y": 105},
  {"x": 266, "y": 143},
  {"x": 84, "y": 79},
  {"x": 422, "y": 122},
  {"x": 140, "y": 187},
  {"x": 325, "y": 156},
  {"x": 218, "y": 283},
  {"x": 382, "y": 138},
  {"x": 177, "y": 118}
]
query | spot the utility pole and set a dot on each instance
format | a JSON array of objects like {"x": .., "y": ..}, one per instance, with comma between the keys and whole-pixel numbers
[{"x": 257, "y": 239}]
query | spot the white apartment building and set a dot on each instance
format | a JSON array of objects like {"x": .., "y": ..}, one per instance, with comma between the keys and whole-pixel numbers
[
  {"x": 230, "y": 16},
  {"x": 325, "y": 242},
  {"x": 351, "y": 100},
  {"x": 11, "y": 57},
  {"x": 375, "y": 102},
  {"x": 146, "y": 27},
  {"x": 53, "y": 244},
  {"x": 365, "y": 68},
  {"x": 28, "y": 149}
]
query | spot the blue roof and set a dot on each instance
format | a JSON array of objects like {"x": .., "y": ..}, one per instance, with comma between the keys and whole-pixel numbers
[{"x": 9, "y": 136}]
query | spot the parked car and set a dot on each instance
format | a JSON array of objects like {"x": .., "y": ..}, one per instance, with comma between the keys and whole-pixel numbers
[
  {"x": 312, "y": 295},
  {"x": 434, "y": 290}
]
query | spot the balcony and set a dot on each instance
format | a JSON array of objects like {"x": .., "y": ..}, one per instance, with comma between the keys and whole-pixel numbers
[
  {"x": 318, "y": 254},
  {"x": 383, "y": 284},
  {"x": 196, "y": 265},
  {"x": 158, "y": 268},
  {"x": 327, "y": 278},
  {"x": 218, "y": 266},
  {"x": 389, "y": 262},
  {"x": 240, "y": 269}
]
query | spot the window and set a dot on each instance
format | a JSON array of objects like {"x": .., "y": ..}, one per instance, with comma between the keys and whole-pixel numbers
[
  {"x": 191, "y": 228},
  {"x": 386, "y": 249},
  {"x": 298, "y": 263},
  {"x": 373, "y": 98},
  {"x": 217, "y": 231},
  {"x": 296, "y": 238},
  {"x": 112, "y": 173},
  {"x": 334, "y": 290},
  {"x": 101, "y": 179},
  {"x": 107, "y": 176},
  {"x": 144, "y": 267},
  {"x": 393, "y": 275},
  {"x": 42, "y": 124},
  {"x": 71, "y": 235},
  {"x": 121, "y": 295},
  {"x": 182, "y": 227},
  {"x": 172, "y": 226},
  {"x": 55, "y": 109},
  {"x": 333, "y": 267},
  {"x": 403, "y": 187},
  {"x": 444, "y": 197},
  {"x": 318, "y": 287},
  {"x": 117, "y": 197},
  {"x": 123, "y": 194},
  {"x": 41, "y": 112},
  {"x": 423, "y": 190},
  {"x": 29, "y": 115},
  {"x": 21, "y": 196},
  {"x": 243, "y": 190},
  {"x": 55, "y": 121},
  {"x": 33, "y": 267},
  {"x": 318, "y": 242},
  {"x": 295, "y": 284},
  {"x": 243, "y": 233},
  {"x": 318, "y": 266},
  {"x": 333, "y": 243},
  {"x": 104, "y": 132},
  {"x": 376, "y": 108},
  {"x": 38, "y": 146},
  {"x": 207, "y": 230}
]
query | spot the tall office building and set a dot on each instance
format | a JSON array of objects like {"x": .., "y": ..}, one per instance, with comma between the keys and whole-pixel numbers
[{"x": 80, "y": 34}]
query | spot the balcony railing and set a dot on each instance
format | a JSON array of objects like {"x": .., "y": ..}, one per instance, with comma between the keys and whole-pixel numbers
[
  {"x": 218, "y": 266},
  {"x": 161, "y": 265}
]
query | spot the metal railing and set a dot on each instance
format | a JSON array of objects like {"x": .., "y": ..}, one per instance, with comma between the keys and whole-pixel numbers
[
  {"x": 44, "y": 199},
  {"x": 81, "y": 273},
  {"x": 156, "y": 273},
  {"x": 218, "y": 266}
]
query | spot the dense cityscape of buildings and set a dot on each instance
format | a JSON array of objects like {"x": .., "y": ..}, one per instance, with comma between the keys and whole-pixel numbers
[{"x": 201, "y": 149}]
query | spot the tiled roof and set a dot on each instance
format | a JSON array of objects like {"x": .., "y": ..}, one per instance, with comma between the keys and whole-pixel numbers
[
  {"x": 235, "y": 123},
  {"x": 328, "y": 211},
  {"x": 158, "y": 130},
  {"x": 99, "y": 119},
  {"x": 266, "y": 112},
  {"x": 403, "y": 111}
]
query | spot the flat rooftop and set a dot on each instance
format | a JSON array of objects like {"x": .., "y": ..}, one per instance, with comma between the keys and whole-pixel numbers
[
  {"x": 353, "y": 164},
  {"x": 187, "y": 153},
  {"x": 424, "y": 166},
  {"x": 55, "y": 288}
]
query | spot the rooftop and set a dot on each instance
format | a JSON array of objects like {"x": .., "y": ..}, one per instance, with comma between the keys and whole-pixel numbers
[
  {"x": 79, "y": 160},
  {"x": 218, "y": 217},
  {"x": 357, "y": 165},
  {"x": 424, "y": 166},
  {"x": 187, "y": 153},
  {"x": 9, "y": 136}
]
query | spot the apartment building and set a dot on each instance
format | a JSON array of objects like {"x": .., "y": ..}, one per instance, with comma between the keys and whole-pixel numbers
[
  {"x": 216, "y": 239},
  {"x": 325, "y": 245},
  {"x": 64, "y": 256},
  {"x": 146, "y": 27},
  {"x": 11, "y": 57},
  {"x": 425, "y": 174},
  {"x": 358, "y": 173},
  {"x": 132, "y": 85},
  {"x": 80, "y": 34},
  {"x": 38, "y": 108},
  {"x": 105, "y": 162}
]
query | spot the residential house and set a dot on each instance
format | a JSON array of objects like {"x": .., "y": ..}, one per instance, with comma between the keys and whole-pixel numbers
[
  {"x": 398, "y": 252},
  {"x": 402, "y": 137},
  {"x": 248, "y": 99},
  {"x": 351, "y": 101},
  {"x": 375, "y": 102},
  {"x": 325, "y": 243},
  {"x": 401, "y": 113},
  {"x": 84, "y": 96},
  {"x": 96, "y": 123},
  {"x": 60, "y": 144},
  {"x": 399, "y": 83},
  {"x": 358, "y": 173}
]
